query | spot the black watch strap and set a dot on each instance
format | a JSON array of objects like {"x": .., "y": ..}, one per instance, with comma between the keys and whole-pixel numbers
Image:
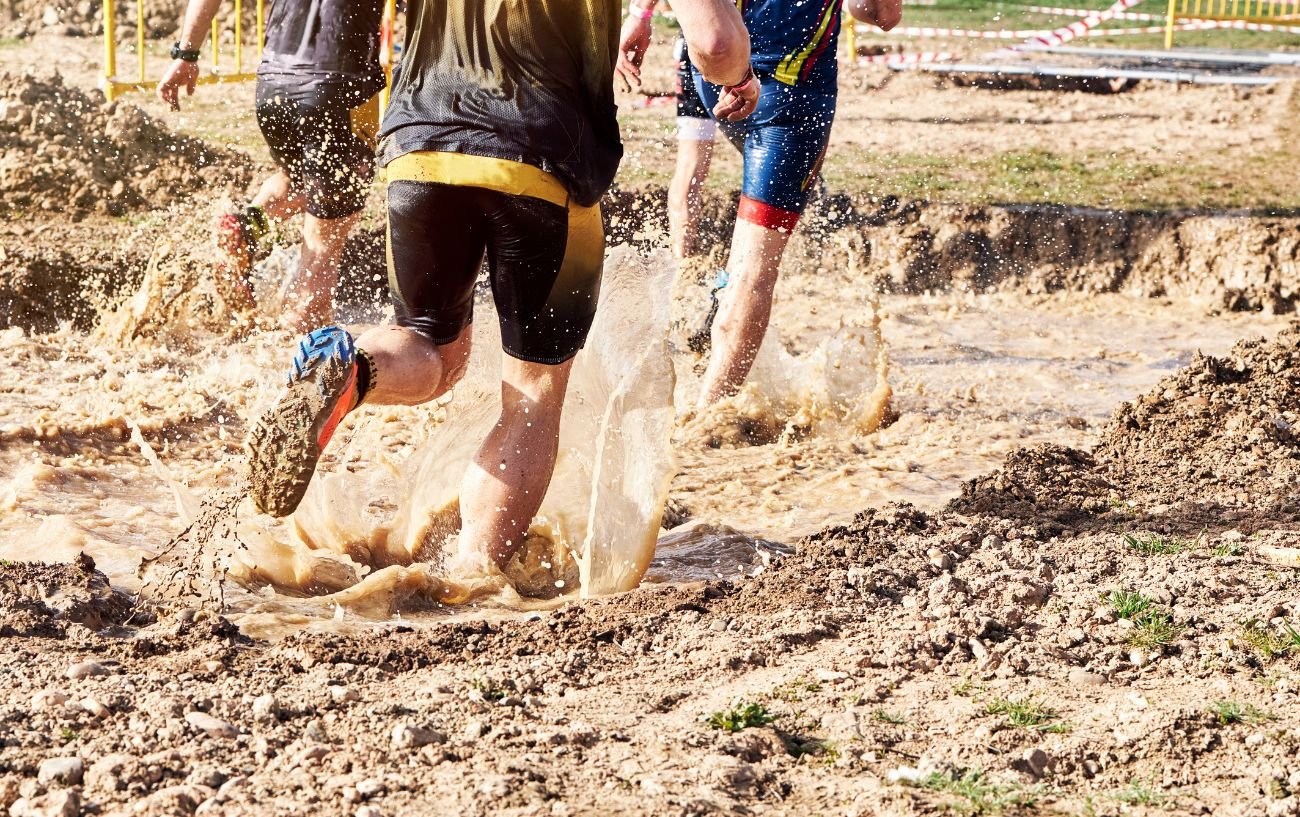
[{"x": 187, "y": 54}]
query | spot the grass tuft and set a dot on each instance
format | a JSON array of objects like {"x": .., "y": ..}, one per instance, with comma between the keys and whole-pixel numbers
[
  {"x": 976, "y": 794},
  {"x": 1154, "y": 544},
  {"x": 1152, "y": 626},
  {"x": 1129, "y": 605},
  {"x": 1027, "y": 713},
  {"x": 1267, "y": 644},
  {"x": 1137, "y": 793},
  {"x": 1230, "y": 712},
  {"x": 488, "y": 690},
  {"x": 1153, "y": 631},
  {"x": 885, "y": 716},
  {"x": 740, "y": 716}
]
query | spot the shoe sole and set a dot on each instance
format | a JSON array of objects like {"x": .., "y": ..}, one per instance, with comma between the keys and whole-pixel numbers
[
  {"x": 282, "y": 447},
  {"x": 231, "y": 271}
]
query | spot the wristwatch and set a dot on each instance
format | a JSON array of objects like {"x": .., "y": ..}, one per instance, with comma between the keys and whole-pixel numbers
[{"x": 187, "y": 54}]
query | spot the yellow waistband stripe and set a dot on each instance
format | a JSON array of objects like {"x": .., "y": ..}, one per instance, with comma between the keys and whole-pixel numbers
[{"x": 502, "y": 175}]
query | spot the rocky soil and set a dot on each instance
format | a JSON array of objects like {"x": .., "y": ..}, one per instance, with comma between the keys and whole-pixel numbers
[
  {"x": 23, "y": 18},
  {"x": 1105, "y": 632}
]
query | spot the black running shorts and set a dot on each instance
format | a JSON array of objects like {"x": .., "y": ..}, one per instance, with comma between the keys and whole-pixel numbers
[
  {"x": 316, "y": 135},
  {"x": 446, "y": 211}
]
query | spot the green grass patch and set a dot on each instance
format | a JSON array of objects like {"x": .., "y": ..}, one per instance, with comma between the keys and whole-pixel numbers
[
  {"x": 1128, "y": 604},
  {"x": 488, "y": 690},
  {"x": 1137, "y": 793},
  {"x": 740, "y": 716},
  {"x": 1230, "y": 712},
  {"x": 795, "y": 690},
  {"x": 1229, "y": 549},
  {"x": 1152, "y": 627},
  {"x": 973, "y": 793},
  {"x": 824, "y": 750},
  {"x": 68, "y": 734},
  {"x": 1027, "y": 713},
  {"x": 1154, "y": 630},
  {"x": 1270, "y": 645},
  {"x": 885, "y": 716},
  {"x": 1154, "y": 544}
]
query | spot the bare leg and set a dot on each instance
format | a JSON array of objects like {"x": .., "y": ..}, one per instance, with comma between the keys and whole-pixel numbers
[
  {"x": 504, "y": 485},
  {"x": 309, "y": 292},
  {"x": 409, "y": 368},
  {"x": 693, "y": 158},
  {"x": 746, "y": 306},
  {"x": 277, "y": 199}
]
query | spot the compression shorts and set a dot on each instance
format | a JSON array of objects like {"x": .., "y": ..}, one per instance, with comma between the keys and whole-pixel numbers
[{"x": 446, "y": 211}]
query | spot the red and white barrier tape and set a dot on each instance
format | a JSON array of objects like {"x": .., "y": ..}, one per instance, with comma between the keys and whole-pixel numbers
[
  {"x": 909, "y": 59},
  {"x": 1123, "y": 15},
  {"x": 1079, "y": 28},
  {"x": 966, "y": 33},
  {"x": 1024, "y": 35}
]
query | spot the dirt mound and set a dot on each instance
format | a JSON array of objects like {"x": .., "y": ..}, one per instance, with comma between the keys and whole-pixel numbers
[
  {"x": 1231, "y": 261},
  {"x": 65, "y": 149},
  {"x": 23, "y": 18},
  {"x": 1222, "y": 429},
  {"x": 45, "y": 599},
  {"x": 1211, "y": 448}
]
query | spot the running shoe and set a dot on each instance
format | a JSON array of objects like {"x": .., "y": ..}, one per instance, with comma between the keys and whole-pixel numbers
[
  {"x": 701, "y": 340},
  {"x": 286, "y": 442},
  {"x": 239, "y": 248}
]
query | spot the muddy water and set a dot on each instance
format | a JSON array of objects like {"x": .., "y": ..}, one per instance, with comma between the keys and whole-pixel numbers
[{"x": 971, "y": 377}]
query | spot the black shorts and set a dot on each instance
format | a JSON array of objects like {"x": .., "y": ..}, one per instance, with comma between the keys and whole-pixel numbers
[
  {"x": 545, "y": 253},
  {"x": 316, "y": 136},
  {"x": 689, "y": 104}
]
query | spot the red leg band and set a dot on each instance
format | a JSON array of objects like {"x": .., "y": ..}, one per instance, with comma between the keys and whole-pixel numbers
[{"x": 765, "y": 215}]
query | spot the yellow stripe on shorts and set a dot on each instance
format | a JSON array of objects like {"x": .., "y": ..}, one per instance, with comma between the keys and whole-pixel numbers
[{"x": 501, "y": 175}]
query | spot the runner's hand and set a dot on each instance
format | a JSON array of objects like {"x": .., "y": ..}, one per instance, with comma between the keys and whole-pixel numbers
[
  {"x": 182, "y": 73},
  {"x": 738, "y": 101},
  {"x": 633, "y": 42}
]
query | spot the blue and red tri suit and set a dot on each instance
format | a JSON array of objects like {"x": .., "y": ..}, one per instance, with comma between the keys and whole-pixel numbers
[{"x": 792, "y": 47}]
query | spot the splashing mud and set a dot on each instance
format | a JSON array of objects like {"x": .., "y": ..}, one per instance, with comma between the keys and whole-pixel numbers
[{"x": 375, "y": 534}]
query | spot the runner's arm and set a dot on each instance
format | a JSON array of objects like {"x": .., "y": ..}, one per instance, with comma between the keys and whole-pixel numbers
[
  {"x": 719, "y": 44},
  {"x": 198, "y": 19},
  {"x": 884, "y": 14},
  {"x": 634, "y": 41},
  {"x": 716, "y": 36}
]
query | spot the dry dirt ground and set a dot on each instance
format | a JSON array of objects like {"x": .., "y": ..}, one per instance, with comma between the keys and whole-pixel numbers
[{"x": 1106, "y": 631}]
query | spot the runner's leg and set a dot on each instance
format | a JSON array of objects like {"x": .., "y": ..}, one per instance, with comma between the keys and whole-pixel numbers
[
  {"x": 309, "y": 291},
  {"x": 504, "y": 485},
  {"x": 277, "y": 197},
  {"x": 410, "y": 368},
  {"x": 695, "y": 132},
  {"x": 746, "y": 307},
  {"x": 693, "y": 158}
]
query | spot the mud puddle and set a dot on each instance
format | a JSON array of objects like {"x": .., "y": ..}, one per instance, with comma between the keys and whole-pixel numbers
[{"x": 973, "y": 377}]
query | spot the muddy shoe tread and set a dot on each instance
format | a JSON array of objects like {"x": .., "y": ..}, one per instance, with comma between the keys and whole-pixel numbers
[{"x": 282, "y": 449}]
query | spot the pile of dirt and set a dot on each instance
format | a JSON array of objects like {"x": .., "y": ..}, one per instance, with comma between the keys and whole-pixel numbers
[
  {"x": 1212, "y": 444},
  {"x": 66, "y": 150},
  {"x": 1222, "y": 429},
  {"x": 1230, "y": 261},
  {"x": 45, "y": 600},
  {"x": 76, "y": 18}
]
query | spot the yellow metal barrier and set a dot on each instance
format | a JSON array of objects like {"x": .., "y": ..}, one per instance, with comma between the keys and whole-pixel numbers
[
  {"x": 1245, "y": 12},
  {"x": 114, "y": 86}
]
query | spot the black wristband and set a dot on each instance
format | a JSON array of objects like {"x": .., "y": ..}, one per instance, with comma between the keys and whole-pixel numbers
[{"x": 187, "y": 54}]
